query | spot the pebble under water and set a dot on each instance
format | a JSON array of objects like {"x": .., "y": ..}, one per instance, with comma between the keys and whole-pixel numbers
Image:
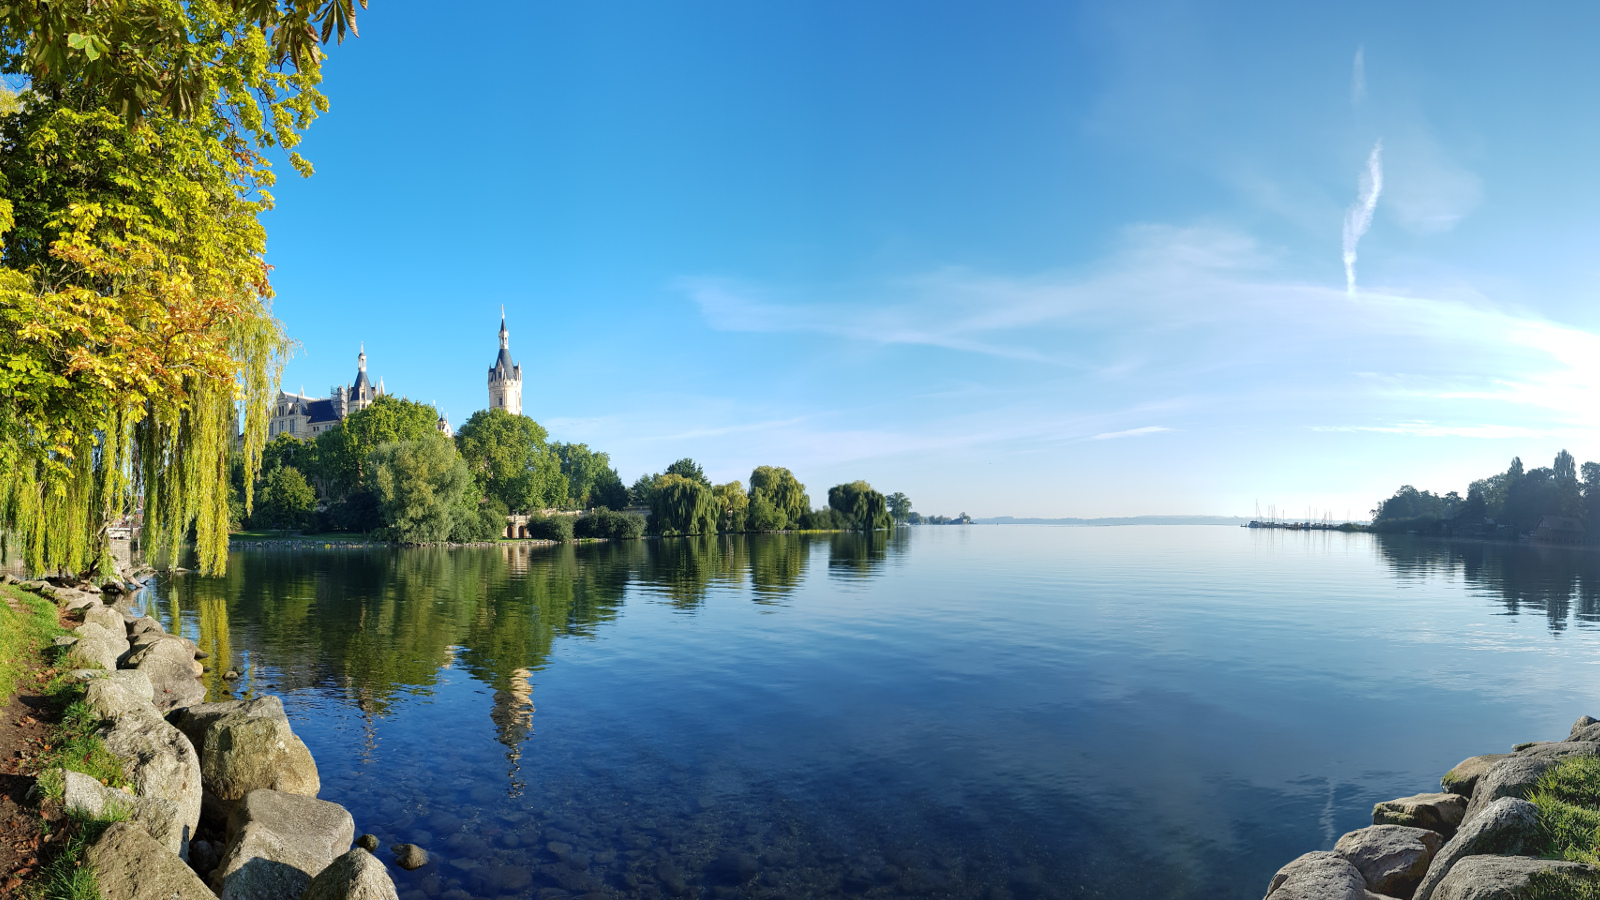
[{"x": 965, "y": 712}]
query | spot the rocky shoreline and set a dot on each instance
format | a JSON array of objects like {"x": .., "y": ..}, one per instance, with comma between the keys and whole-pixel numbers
[
  {"x": 232, "y": 771},
  {"x": 1475, "y": 840}
]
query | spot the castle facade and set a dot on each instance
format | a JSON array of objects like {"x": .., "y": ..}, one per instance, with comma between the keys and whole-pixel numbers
[
  {"x": 306, "y": 417},
  {"x": 505, "y": 376}
]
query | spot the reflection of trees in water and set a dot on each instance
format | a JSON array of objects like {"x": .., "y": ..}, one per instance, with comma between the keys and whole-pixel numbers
[
  {"x": 777, "y": 564},
  {"x": 1561, "y": 582},
  {"x": 685, "y": 568},
  {"x": 858, "y": 555}
]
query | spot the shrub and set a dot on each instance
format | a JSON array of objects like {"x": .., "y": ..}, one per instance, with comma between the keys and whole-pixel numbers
[
  {"x": 616, "y": 526},
  {"x": 550, "y": 528}
]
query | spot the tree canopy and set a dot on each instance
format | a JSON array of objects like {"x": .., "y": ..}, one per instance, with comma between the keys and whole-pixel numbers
[
  {"x": 779, "y": 488},
  {"x": 591, "y": 481},
  {"x": 423, "y": 488},
  {"x": 513, "y": 464}
]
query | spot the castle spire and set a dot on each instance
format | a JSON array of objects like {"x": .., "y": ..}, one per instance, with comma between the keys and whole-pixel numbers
[
  {"x": 361, "y": 361},
  {"x": 505, "y": 336}
]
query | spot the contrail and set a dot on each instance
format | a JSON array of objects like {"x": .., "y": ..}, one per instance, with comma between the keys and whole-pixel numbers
[{"x": 1359, "y": 217}]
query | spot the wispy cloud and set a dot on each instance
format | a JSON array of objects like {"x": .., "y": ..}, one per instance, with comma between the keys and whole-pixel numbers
[
  {"x": 1130, "y": 432},
  {"x": 1359, "y": 217},
  {"x": 1434, "y": 430}
]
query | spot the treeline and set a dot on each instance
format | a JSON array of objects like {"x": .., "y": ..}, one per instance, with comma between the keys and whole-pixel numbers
[
  {"x": 1508, "y": 504},
  {"x": 682, "y": 500},
  {"x": 387, "y": 470}
]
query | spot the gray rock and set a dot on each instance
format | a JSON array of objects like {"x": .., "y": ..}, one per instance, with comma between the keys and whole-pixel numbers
[
  {"x": 159, "y": 818},
  {"x": 130, "y": 865},
  {"x": 328, "y": 826},
  {"x": 1391, "y": 858},
  {"x": 1507, "y": 826},
  {"x": 194, "y": 720},
  {"x": 1319, "y": 875},
  {"x": 251, "y": 749},
  {"x": 144, "y": 625},
  {"x": 278, "y": 842},
  {"x": 1464, "y": 777},
  {"x": 173, "y": 672},
  {"x": 157, "y": 758},
  {"x": 132, "y": 680},
  {"x": 409, "y": 856},
  {"x": 99, "y": 645},
  {"x": 354, "y": 876},
  {"x": 1517, "y": 775},
  {"x": 368, "y": 842},
  {"x": 105, "y": 616},
  {"x": 1435, "y": 812},
  {"x": 1501, "y": 877},
  {"x": 65, "y": 640},
  {"x": 1559, "y": 750}
]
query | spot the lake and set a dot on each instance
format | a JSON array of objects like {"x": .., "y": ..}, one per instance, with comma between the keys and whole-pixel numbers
[{"x": 977, "y": 711}]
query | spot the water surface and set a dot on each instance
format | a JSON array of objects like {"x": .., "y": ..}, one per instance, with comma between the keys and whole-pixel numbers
[{"x": 980, "y": 711}]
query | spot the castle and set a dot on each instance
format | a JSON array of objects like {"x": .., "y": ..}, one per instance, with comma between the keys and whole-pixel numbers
[
  {"x": 505, "y": 376},
  {"x": 305, "y": 417}
]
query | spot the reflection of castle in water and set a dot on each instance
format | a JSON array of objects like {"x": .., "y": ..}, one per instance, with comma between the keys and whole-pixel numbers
[
  {"x": 1562, "y": 583},
  {"x": 513, "y": 717}
]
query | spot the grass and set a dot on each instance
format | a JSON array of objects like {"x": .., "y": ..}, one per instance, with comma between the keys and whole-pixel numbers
[
  {"x": 23, "y": 635},
  {"x": 1568, "y": 800},
  {"x": 65, "y": 877}
]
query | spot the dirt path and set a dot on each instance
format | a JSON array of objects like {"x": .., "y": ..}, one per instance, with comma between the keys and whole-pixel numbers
[{"x": 23, "y": 727}]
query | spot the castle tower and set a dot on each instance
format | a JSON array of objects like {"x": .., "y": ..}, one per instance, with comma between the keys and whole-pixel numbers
[
  {"x": 505, "y": 376},
  {"x": 361, "y": 394}
]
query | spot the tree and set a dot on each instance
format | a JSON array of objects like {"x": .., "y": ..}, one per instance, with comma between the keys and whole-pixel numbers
[
  {"x": 286, "y": 450},
  {"x": 644, "y": 488},
  {"x": 782, "y": 490},
  {"x": 862, "y": 507},
  {"x": 900, "y": 507},
  {"x": 286, "y": 499},
  {"x": 589, "y": 474},
  {"x": 1565, "y": 467},
  {"x": 423, "y": 488},
  {"x": 689, "y": 469},
  {"x": 681, "y": 505},
  {"x": 763, "y": 515},
  {"x": 608, "y": 491},
  {"x": 733, "y": 505},
  {"x": 511, "y": 461},
  {"x": 341, "y": 452}
]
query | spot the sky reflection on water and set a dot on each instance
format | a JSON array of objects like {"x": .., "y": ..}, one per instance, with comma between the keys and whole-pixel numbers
[{"x": 967, "y": 712}]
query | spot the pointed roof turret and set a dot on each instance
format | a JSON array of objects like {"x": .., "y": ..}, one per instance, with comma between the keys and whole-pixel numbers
[{"x": 504, "y": 366}]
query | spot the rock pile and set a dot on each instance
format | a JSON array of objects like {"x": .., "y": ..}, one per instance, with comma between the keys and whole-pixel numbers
[
  {"x": 237, "y": 766},
  {"x": 1474, "y": 841}
]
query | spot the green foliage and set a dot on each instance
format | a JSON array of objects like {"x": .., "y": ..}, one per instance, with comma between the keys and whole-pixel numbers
[
  {"x": 764, "y": 515},
  {"x": 643, "y": 489},
  {"x": 551, "y": 528},
  {"x": 734, "y": 506},
  {"x": 861, "y": 506},
  {"x": 616, "y": 526},
  {"x": 680, "y": 505},
  {"x": 287, "y": 450},
  {"x": 824, "y": 519},
  {"x": 511, "y": 461},
  {"x": 286, "y": 500},
  {"x": 23, "y": 635},
  {"x": 341, "y": 452},
  {"x": 1518, "y": 498},
  {"x": 590, "y": 479},
  {"x": 422, "y": 487},
  {"x": 688, "y": 468},
  {"x": 65, "y": 877},
  {"x": 782, "y": 490},
  {"x": 900, "y": 507}
]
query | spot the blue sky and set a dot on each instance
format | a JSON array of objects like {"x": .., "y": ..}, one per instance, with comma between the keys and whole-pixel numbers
[{"x": 1011, "y": 258}]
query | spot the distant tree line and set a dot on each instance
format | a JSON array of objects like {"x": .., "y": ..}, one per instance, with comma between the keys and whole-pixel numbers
[
  {"x": 386, "y": 470},
  {"x": 1507, "y": 504},
  {"x": 682, "y": 500}
]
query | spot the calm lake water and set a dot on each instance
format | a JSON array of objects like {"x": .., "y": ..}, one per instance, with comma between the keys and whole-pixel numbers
[{"x": 982, "y": 711}]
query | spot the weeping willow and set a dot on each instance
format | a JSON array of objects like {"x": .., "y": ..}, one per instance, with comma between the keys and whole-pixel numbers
[{"x": 138, "y": 350}]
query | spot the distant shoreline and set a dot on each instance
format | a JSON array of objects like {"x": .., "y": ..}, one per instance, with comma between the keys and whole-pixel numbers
[{"x": 1116, "y": 520}]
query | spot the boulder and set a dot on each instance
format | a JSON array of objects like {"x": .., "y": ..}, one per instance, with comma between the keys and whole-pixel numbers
[
  {"x": 170, "y": 664},
  {"x": 1319, "y": 875},
  {"x": 1506, "y": 826},
  {"x": 144, "y": 625},
  {"x": 100, "y": 614},
  {"x": 1559, "y": 750},
  {"x": 252, "y": 748},
  {"x": 132, "y": 680},
  {"x": 1391, "y": 858},
  {"x": 157, "y": 758},
  {"x": 159, "y": 818},
  {"x": 80, "y": 603},
  {"x": 194, "y": 720},
  {"x": 1501, "y": 877},
  {"x": 130, "y": 865},
  {"x": 409, "y": 856},
  {"x": 356, "y": 875},
  {"x": 1435, "y": 812},
  {"x": 99, "y": 645},
  {"x": 1517, "y": 775},
  {"x": 1464, "y": 777},
  {"x": 278, "y": 842}
]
